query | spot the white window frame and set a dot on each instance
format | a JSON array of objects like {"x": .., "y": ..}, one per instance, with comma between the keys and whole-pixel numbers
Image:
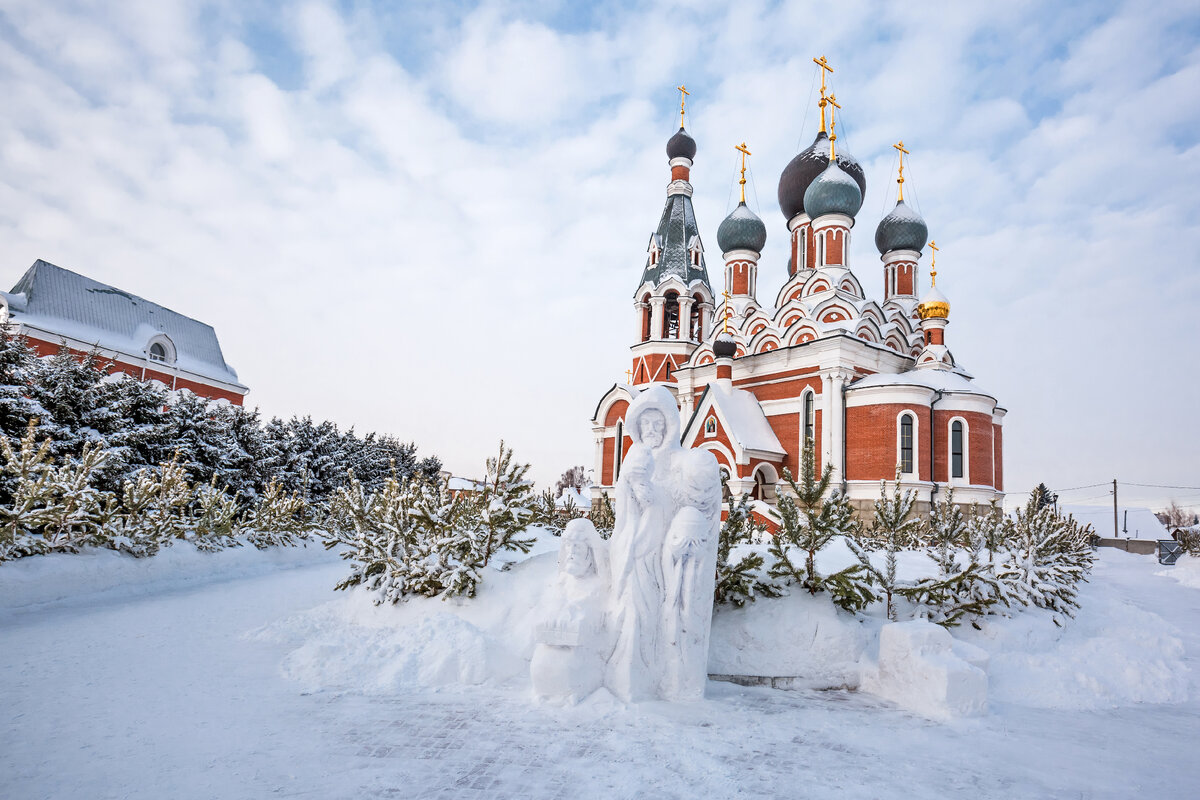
[
  {"x": 966, "y": 451},
  {"x": 916, "y": 444}
]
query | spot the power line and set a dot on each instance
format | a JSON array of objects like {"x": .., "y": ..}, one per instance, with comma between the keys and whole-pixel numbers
[{"x": 1160, "y": 486}]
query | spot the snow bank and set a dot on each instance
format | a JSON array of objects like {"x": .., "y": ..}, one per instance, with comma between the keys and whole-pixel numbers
[
  {"x": 95, "y": 574},
  {"x": 1186, "y": 570},
  {"x": 1112, "y": 654},
  {"x": 798, "y": 636}
]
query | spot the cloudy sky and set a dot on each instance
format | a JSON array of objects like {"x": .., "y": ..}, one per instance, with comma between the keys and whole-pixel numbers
[{"x": 429, "y": 219}]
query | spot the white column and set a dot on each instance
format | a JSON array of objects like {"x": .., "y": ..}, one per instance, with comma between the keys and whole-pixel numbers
[
  {"x": 685, "y": 316},
  {"x": 656, "y": 317},
  {"x": 838, "y": 380},
  {"x": 826, "y": 420},
  {"x": 706, "y": 320},
  {"x": 641, "y": 310}
]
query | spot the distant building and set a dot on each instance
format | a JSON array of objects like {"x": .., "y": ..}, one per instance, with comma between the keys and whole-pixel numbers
[{"x": 52, "y": 306}]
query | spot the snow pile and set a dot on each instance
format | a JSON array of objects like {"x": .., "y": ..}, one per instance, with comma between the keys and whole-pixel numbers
[
  {"x": 1186, "y": 570},
  {"x": 798, "y": 636},
  {"x": 923, "y": 669},
  {"x": 1112, "y": 654},
  {"x": 423, "y": 641},
  {"x": 93, "y": 574}
]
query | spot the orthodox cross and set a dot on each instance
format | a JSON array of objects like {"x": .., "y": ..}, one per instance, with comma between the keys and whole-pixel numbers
[
  {"x": 741, "y": 148},
  {"x": 629, "y": 376},
  {"x": 683, "y": 93},
  {"x": 824, "y": 65},
  {"x": 832, "y": 125},
  {"x": 933, "y": 263},
  {"x": 900, "y": 180}
]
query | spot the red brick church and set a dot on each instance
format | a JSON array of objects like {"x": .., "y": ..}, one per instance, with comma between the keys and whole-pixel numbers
[
  {"x": 52, "y": 307},
  {"x": 758, "y": 368}
]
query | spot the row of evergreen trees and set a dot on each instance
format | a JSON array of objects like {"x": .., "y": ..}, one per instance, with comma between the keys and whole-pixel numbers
[
  {"x": 986, "y": 561},
  {"x": 79, "y": 435}
]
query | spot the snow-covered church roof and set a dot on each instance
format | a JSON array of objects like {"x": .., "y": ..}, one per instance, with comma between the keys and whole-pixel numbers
[
  {"x": 937, "y": 379},
  {"x": 68, "y": 304}
]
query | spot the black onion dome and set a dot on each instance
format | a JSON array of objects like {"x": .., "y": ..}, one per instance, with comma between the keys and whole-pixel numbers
[
  {"x": 834, "y": 191},
  {"x": 741, "y": 230},
  {"x": 805, "y": 167},
  {"x": 681, "y": 145},
  {"x": 725, "y": 346},
  {"x": 903, "y": 229}
]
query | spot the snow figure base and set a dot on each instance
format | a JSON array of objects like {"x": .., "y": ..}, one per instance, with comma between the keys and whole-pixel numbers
[
  {"x": 568, "y": 660},
  {"x": 663, "y": 550},
  {"x": 924, "y": 669}
]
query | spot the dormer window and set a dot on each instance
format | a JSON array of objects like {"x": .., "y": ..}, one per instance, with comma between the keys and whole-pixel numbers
[{"x": 158, "y": 352}]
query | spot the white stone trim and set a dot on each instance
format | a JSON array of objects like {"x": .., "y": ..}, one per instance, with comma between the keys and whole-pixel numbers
[
  {"x": 916, "y": 444},
  {"x": 965, "y": 480}
]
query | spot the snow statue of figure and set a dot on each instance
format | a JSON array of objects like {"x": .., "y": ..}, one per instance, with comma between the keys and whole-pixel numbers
[
  {"x": 568, "y": 659},
  {"x": 663, "y": 552}
]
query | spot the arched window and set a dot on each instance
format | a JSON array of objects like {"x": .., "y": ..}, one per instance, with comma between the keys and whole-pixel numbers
[
  {"x": 956, "y": 449},
  {"x": 810, "y": 416},
  {"x": 671, "y": 316},
  {"x": 646, "y": 314},
  {"x": 906, "y": 444},
  {"x": 620, "y": 447},
  {"x": 158, "y": 352}
]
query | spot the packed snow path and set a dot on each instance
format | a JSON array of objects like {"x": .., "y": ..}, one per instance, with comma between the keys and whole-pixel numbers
[{"x": 163, "y": 695}]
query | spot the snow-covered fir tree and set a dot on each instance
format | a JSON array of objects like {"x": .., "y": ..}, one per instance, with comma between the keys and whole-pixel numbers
[
  {"x": 892, "y": 529},
  {"x": 811, "y": 521},
  {"x": 739, "y": 582},
  {"x": 1049, "y": 555}
]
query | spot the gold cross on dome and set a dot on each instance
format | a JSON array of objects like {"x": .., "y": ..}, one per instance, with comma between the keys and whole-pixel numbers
[
  {"x": 629, "y": 376},
  {"x": 824, "y": 65},
  {"x": 900, "y": 180},
  {"x": 933, "y": 263},
  {"x": 741, "y": 148},
  {"x": 683, "y": 94},
  {"x": 832, "y": 124}
]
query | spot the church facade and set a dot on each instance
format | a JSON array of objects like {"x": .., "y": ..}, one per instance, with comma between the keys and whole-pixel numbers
[{"x": 804, "y": 353}]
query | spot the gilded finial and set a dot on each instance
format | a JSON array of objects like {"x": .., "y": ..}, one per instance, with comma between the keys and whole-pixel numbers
[
  {"x": 824, "y": 65},
  {"x": 933, "y": 263},
  {"x": 900, "y": 180},
  {"x": 832, "y": 126},
  {"x": 683, "y": 93},
  {"x": 741, "y": 148}
]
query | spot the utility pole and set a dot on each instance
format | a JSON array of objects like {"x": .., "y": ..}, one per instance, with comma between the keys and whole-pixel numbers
[
  {"x": 1125, "y": 525},
  {"x": 1116, "y": 531}
]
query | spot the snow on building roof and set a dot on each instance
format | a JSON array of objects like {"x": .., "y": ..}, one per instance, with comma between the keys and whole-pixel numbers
[
  {"x": 744, "y": 419},
  {"x": 581, "y": 500},
  {"x": 68, "y": 304},
  {"x": 1133, "y": 522},
  {"x": 936, "y": 379}
]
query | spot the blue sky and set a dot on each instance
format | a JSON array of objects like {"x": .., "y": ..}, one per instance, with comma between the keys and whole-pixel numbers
[{"x": 429, "y": 219}]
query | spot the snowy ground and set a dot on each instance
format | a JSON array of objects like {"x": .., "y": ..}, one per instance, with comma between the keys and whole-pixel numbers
[{"x": 211, "y": 687}]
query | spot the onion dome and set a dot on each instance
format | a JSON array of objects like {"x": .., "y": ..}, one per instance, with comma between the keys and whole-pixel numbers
[
  {"x": 934, "y": 304},
  {"x": 724, "y": 346},
  {"x": 833, "y": 192},
  {"x": 741, "y": 230},
  {"x": 903, "y": 229},
  {"x": 805, "y": 167},
  {"x": 681, "y": 145}
]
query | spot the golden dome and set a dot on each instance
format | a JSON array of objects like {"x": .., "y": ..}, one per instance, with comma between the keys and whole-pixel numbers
[{"x": 934, "y": 304}]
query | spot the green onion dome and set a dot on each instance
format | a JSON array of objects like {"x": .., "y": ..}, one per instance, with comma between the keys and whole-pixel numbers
[{"x": 742, "y": 230}]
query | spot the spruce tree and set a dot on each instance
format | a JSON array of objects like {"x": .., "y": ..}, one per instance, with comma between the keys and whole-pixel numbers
[
  {"x": 893, "y": 528},
  {"x": 809, "y": 523},
  {"x": 1050, "y": 554},
  {"x": 739, "y": 582}
]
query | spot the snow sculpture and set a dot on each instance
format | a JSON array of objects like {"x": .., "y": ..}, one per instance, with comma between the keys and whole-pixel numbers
[
  {"x": 663, "y": 550},
  {"x": 568, "y": 659},
  {"x": 926, "y": 670}
]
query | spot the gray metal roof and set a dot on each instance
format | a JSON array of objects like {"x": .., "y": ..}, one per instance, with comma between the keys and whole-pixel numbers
[
  {"x": 72, "y": 305},
  {"x": 675, "y": 232}
]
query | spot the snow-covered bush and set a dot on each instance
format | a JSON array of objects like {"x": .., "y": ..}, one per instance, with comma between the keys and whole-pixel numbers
[
  {"x": 415, "y": 536},
  {"x": 1048, "y": 556},
  {"x": 809, "y": 523},
  {"x": 740, "y": 582},
  {"x": 892, "y": 529},
  {"x": 964, "y": 586},
  {"x": 280, "y": 518},
  {"x": 154, "y": 511},
  {"x": 603, "y": 516}
]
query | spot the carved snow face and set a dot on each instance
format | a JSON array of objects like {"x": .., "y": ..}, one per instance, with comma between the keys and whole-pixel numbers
[
  {"x": 652, "y": 427},
  {"x": 575, "y": 558}
]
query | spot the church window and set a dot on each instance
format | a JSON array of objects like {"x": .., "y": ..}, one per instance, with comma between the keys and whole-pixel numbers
[
  {"x": 956, "y": 449},
  {"x": 810, "y": 416},
  {"x": 906, "y": 444},
  {"x": 158, "y": 352},
  {"x": 671, "y": 316},
  {"x": 668, "y": 369}
]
